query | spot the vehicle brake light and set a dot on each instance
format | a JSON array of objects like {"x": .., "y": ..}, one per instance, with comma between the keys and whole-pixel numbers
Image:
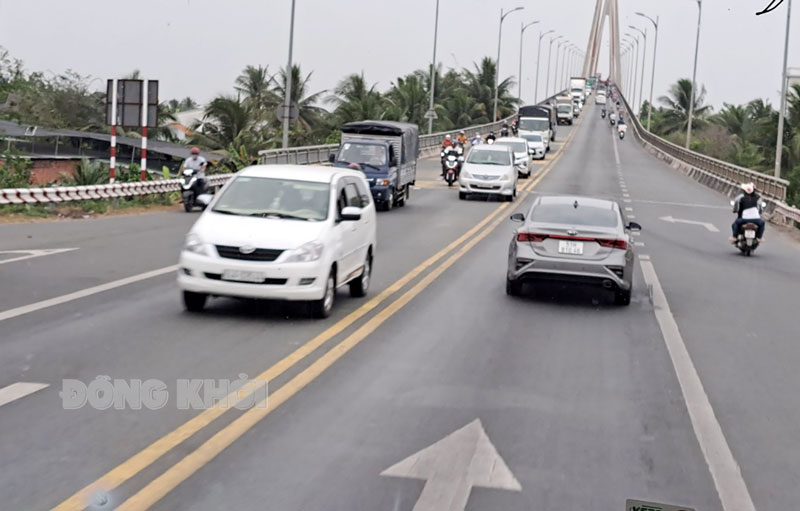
[
  {"x": 620, "y": 244},
  {"x": 531, "y": 237}
]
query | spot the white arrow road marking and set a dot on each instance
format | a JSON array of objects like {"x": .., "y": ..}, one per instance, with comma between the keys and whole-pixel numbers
[
  {"x": 452, "y": 466},
  {"x": 725, "y": 471},
  {"x": 711, "y": 227},
  {"x": 30, "y": 254},
  {"x": 19, "y": 390}
]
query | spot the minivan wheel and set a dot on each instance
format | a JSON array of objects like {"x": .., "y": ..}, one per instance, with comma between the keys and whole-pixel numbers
[
  {"x": 194, "y": 302},
  {"x": 360, "y": 286},
  {"x": 323, "y": 307},
  {"x": 513, "y": 287}
]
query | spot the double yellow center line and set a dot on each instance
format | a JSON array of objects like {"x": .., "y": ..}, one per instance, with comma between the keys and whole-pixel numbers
[{"x": 191, "y": 463}]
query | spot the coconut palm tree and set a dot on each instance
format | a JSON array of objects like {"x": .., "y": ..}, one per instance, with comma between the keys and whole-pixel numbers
[
  {"x": 254, "y": 85},
  {"x": 408, "y": 99},
  {"x": 309, "y": 115},
  {"x": 354, "y": 100},
  {"x": 480, "y": 86},
  {"x": 227, "y": 121},
  {"x": 676, "y": 103}
]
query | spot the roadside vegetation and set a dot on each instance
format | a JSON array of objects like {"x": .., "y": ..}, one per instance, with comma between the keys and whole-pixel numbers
[{"x": 745, "y": 135}]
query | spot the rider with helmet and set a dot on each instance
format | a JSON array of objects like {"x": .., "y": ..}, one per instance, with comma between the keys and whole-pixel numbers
[
  {"x": 197, "y": 164},
  {"x": 748, "y": 207},
  {"x": 461, "y": 138}
]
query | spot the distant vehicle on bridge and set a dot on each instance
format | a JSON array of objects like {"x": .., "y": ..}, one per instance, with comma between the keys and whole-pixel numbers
[
  {"x": 565, "y": 109},
  {"x": 577, "y": 88},
  {"x": 386, "y": 152},
  {"x": 539, "y": 119}
]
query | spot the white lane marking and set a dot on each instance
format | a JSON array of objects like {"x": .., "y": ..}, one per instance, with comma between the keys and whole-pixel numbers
[
  {"x": 686, "y": 204},
  {"x": 626, "y": 195},
  {"x": 83, "y": 293},
  {"x": 636, "y": 233},
  {"x": 631, "y": 216},
  {"x": 628, "y": 201},
  {"x": 616, "y": 150},
  {"x": 629, "y": 209},
  {"x": 709, "y": 226},
  {"x": 30, "y": 254},
  {"x": 452, "y": 466},
  {"x": 19, "y": 390},
  {"x": 644, "y": 257},
  {"x": 638, "y": 243},
  {"x": 725, "y": 471}
]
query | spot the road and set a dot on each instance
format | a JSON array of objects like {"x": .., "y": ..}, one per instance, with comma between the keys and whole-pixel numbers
[{"x": 586, "y": 403}]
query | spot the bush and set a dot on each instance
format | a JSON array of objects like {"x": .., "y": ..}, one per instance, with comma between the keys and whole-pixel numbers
[{"x": 15, "y": 171}]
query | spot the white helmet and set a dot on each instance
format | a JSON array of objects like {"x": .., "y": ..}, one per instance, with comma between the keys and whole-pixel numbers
[{"x": 447, "y": 137}]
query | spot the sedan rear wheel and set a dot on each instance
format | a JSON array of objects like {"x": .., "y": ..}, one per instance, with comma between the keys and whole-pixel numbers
[
  {"x": 513, "y": 287},
  {"x": 622, "y": 297}
]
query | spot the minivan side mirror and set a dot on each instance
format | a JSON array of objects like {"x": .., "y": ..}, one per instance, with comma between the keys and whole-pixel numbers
[
  {"x": 393, "y": 162},
  {"x": 633, "y": 226},
  {"x": 332, "y": 158},
  {"x": 350, "y": 214},
  {"x": 517, "y": 217}
]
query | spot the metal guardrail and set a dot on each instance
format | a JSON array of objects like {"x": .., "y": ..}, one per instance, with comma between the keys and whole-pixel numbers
[
  {"x": 771, "y": 188},
  {"x": 297, "y": 155}
]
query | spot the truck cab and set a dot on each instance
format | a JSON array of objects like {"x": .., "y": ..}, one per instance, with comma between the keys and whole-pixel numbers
[{"x": 386, "y": 152}]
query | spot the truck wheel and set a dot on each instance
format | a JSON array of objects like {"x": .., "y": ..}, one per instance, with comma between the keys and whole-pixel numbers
[{"x": 401, "y": 201}]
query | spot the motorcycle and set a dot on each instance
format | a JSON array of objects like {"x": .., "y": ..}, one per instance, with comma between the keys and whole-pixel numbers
[
  {"x": 603, "y": 113},
  {"x": 621, "y": 129},
  {"x": 451, "y": 167},
  {"x": 613, "y": 119},
  {"x": 746, "y": 240},
  {"x": 191, "y": 189}
]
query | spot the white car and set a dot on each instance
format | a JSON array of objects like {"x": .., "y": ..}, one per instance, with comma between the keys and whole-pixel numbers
[
  {"x": 601, "y": 98},
  {"x": 489, "y": 170},
  {"x": 522, "y": 157},
  {"x": 536, "y": 145},
  {"x": 285, "y": 232}
]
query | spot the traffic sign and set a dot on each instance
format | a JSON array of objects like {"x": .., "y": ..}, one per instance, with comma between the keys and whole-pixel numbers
[
  {"x": 431, "y": 114},
  {"x": 281, "y": 112}
]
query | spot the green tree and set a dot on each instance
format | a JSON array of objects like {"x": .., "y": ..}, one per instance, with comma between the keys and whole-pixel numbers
[
  {"x": 354, "y": 100},
  {"x": 676, "y": 103},
  {"x": 310, "y": 116}
]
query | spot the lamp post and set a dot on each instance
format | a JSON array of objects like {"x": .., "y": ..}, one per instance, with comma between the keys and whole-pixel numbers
[
  {"x": 538, "y": 56},
  {"x": 433, "y": 70},
  {"x": 561, "y": 43},
  {"x": 653, "y": 76},
  {"x": 694, "y": 75},
  {"x": 630, "y": 77},
  {"x": 636, "y": 68},
  {"x": 287, "y": 100},
  {"x": 519, "y": 77},
  {"x": 644, "y": 60},
  {"x": 497, "y": 62},
  {"x": 784, "y": 84},
  {"x": 549, "y": 54}
]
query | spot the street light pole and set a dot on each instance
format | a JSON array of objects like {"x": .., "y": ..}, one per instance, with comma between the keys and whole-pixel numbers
[
  {"x": 694, "y": 75},
  {"x": 519, "y": 77},
  {"x": 558, "y": 56},
  {"x": 538, "y": 58},
  {"x": 433, "y": 70},
  {"x": 497, "y": 62},
  {"x": 636, "y": 68},
  {"x": 784, "y": 84},
  {"x": 653, "y": 76},
  {"x": 644, "y": 60},
  {"x": 549, "y": 54},
  {"x": 287, "y": 100}
]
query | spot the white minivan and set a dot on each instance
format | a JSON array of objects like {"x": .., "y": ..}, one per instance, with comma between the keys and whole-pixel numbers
[{"x": 285, "y": 232}]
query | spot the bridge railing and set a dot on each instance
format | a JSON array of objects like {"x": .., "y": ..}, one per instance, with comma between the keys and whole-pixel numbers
[
  {"x": 297, "y": 155},
  {"x": 715, "y": 173}
]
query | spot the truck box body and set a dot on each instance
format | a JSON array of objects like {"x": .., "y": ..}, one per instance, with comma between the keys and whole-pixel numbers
[
  {"x": 531, "y": 118},
  {"x": 577, "y": 87},
  {"x": 387, "y": 153}
]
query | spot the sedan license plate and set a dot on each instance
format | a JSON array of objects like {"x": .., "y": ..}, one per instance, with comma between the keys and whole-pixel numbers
[
  {"x": 570, "y": 247},
  {"x": 243, "y": 276}
]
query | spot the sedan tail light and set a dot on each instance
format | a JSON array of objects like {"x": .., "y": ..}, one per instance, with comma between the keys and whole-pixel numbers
[
  {"x": 620, "y": 244},
  {"x": 531, "y": 237}
]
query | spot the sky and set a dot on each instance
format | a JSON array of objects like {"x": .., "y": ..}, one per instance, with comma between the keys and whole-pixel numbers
[{"x": 197, "y": 47}]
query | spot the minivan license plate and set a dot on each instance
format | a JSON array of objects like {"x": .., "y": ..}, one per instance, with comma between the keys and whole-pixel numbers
[
  {"x": 570, "y": 247},
  {"x": 243, "y": 276}
]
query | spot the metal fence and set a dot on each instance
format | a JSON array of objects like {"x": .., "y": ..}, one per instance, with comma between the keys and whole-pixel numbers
[
  {"x": 296, "y": 155},
  {"x": 726, "y": 176}
]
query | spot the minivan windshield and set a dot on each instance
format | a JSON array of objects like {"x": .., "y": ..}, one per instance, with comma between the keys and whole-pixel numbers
[
  {"x": 533, "y": 137},
  {"x": 489, "y": 158},
  {"x": 275, "y": 198},
  {"x": 564, "y": 108}
]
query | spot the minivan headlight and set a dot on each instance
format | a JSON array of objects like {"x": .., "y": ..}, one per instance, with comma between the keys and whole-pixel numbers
[
  {"x": 305, "y": 253},
  {"x": 195, "y": 245}
]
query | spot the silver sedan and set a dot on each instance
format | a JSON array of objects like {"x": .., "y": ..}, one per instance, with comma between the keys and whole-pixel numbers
[{"x": 573, "y": 239}]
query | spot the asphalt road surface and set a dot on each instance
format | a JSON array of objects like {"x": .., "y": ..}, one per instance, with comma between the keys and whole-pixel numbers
[{"x": 462, "y": 397}]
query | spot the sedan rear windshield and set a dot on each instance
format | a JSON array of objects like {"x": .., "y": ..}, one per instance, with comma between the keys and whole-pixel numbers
[
  {"x": 489, "y": 158},
  {"x": 275, "y": 198},
  {"x": 570, "y": 215}
]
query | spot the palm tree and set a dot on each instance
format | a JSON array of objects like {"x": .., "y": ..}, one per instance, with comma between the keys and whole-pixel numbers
[
  {"x": 676, "y": 113},
  {"x": 734, "y": 118},
  {"x": 309, "y": 115},
  {"x": 254, "y": 84},
  {"x": 408, "y": 99},
  {"x": 227, "y": 121},
  {"x": 355, "y": 101},
  {"x": 480, "y": 86}
]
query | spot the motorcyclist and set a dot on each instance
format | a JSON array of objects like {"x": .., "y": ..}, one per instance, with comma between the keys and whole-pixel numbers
[
  {"x": 490, "y": 137},
  {"x": 748, "y": 207},
  {"x": 476, "y": 140},
  {"x": 197, "y": 164},
  {"x": 613, "y": 117},
  {"x": 447, "y": 142},
  {"x": 461, "y": 138},
  {"x": 446, "y": 151},
  {"x": 504, "y": 130}
]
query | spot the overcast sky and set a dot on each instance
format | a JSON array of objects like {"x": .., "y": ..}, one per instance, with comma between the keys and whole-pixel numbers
[{"x": 198, "y": 47}]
